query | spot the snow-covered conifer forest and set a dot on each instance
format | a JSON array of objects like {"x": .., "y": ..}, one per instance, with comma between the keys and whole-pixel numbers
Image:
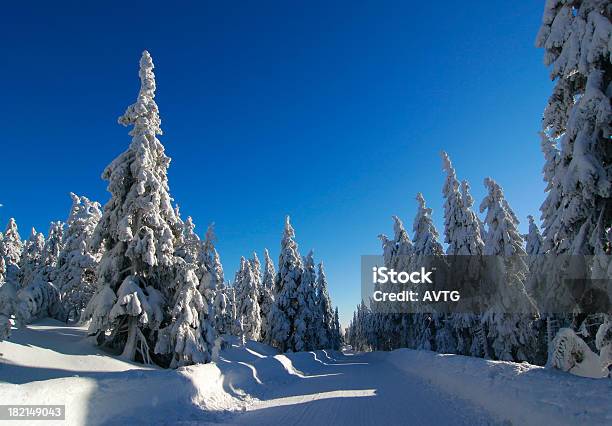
[
  {"x": 576, "y": 219},
  {"x": 149, "y": 288},
  {"x": 122, "y": 300}
]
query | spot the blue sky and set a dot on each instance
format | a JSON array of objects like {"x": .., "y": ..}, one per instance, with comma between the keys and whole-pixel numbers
[{"x": 331, "y": 112}]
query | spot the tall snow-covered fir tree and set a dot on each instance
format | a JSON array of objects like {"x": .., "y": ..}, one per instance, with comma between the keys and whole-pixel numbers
[
  {"x": 403, "y": 246},
  {"x": 392, "y": 327},
  {"x": 576, "y": 38},
  {"x": 220, "y": 296},
  {"x": 426, "y": 247},
  {"x": 31, "y": 257},
  {"x": 306, "y": 322},
  {"x": 286, "y": 283},
  {"x": 210, "y": 274},
  {"x": 206, "y": 258},
  {"x": 426, "y": 237},
  {"x": 51, "y": 251},
  {"x": 325, "y": 317},
  {"x": 75, "y": 276},
  {"x": 207, "y": 267},
  {"x": 533, "y": 238},
  {"x": 11, "y": 245},
  {"x": 247, "y": 311},
  {"x": 576, "y": 214},
  {"x": 140, "y": 232},
  {"x": 502, "y": 236},
  {"x": 191, "y": 246},
  {"x": 462, "y": 230},
  {"x": 461, "y": 225},
  {"x": 256, "y": 267},
  {"x": 336, "y": 341},
  {"x": 510, "y": 317},
  {"x": 258, "y": 284},
  {"x": 266, "y": 296},
  {"x": 188, "y": 338}
]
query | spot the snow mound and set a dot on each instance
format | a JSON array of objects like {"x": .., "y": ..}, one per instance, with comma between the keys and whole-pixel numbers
[
  {"x": 51, "y": 363},
  {"x": 520, "y": 393}
]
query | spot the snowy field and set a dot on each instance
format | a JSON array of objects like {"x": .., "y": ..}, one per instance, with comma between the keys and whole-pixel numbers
[{"x": 51, "y": 363}]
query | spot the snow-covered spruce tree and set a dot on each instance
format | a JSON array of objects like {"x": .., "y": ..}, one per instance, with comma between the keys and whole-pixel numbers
[
  {"x": 336, "y": 341},
  {"x": 191, "y": 246},
  {"x": 393, "y": 327},
  {"x": 261, "y": 293},
  {"x": 426, "y": 237},
  {"x": 576, "y": 36},
  {"x": 187, "y": 339},
  {"x": 247, "y": 301},
  {"x": 40, "y": 297},
  {"x": 210, "y": 274},
  {"x": 388, "y": 247},
  {"x": 47, "y": 268},
  {"x": 220, "y": 296},
  {"x": 239, "y": 278},
  {"x": 221, "y": 304},
  {"x": 208, "y": 269},
  {"x": 403, "y": 246},
  {"x": 534, "y": 239},
  {"x": 426, "y": 248},
  {"x": 461, "y": 225},
  {"x": 138, "y": 229},
  {"x": 231, "y": 321},
  {"x": 266, "y": 298},
  {"x": 306, "y": 323},
  {"x": 462, "y": 231},
  {"x": 31, "y": 257},
  {"x": 468, "y": 202},
  {"x": 76, "y": 264},
  {"x": 362, "y": 329},
  {"x": 286, "y": 283},
  {"x": 208, "y": 278},
  {"x": 11, "y": 245},
  {"x": 510, "y": 317},
  {"x": 326, "y": 314},
  {"x": 256, "y": 267}
]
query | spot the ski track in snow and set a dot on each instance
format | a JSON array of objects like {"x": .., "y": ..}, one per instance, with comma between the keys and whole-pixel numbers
[
  {"x": 51, "y": 363},
  {"x": 362, "y": 389}
]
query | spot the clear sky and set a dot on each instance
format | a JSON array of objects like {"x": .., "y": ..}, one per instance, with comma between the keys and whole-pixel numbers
[{"x": 331, "y": 112}]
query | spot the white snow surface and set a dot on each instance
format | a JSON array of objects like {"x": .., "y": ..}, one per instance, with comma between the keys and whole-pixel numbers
[{"x": 49, "y": 362}]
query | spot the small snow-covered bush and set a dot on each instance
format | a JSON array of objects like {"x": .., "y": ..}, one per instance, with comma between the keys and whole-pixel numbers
[{"x": 570, "y": 353}]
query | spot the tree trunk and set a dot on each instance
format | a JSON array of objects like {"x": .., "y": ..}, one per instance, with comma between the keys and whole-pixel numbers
[{"x": 129, "y": 351}]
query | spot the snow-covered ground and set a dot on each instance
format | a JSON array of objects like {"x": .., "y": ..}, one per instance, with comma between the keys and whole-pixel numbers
[{"x": 51, "y": 363}]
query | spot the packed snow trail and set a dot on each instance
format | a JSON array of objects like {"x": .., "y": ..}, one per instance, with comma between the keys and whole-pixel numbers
[{"x": 360, "y": 389}]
